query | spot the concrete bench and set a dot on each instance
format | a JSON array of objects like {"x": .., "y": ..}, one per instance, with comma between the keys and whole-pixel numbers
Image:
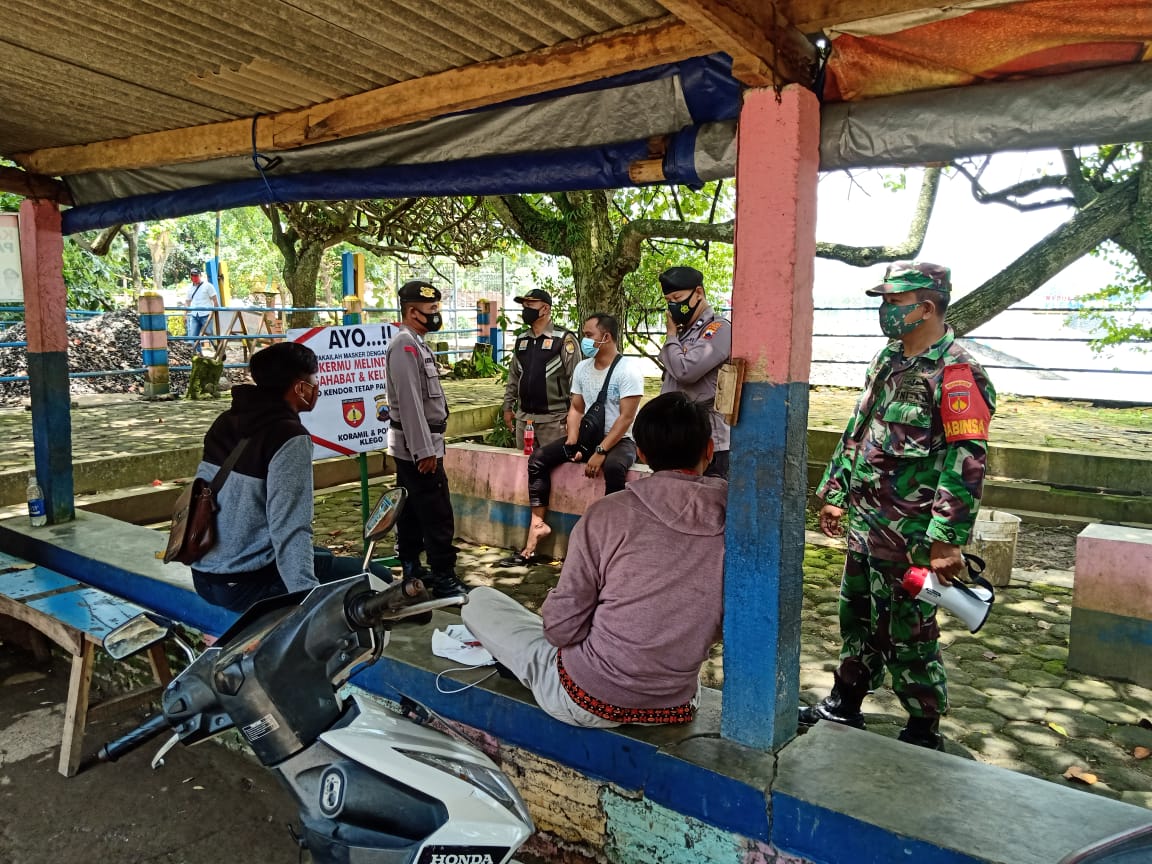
[
  {"x": 76, "y": 617},
  {"x": 490, "y": 497},
  {"x": 1111, "y": 628}
]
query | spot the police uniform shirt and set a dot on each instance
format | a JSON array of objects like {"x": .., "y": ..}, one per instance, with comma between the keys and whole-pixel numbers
[
  {"x": 540, "y": 372},
  {"x": 692, "y": 361},
  {"x": 415, "y": 398}
]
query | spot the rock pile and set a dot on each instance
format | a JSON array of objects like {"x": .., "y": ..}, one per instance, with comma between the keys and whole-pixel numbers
[{"x": 102, "y": 343}]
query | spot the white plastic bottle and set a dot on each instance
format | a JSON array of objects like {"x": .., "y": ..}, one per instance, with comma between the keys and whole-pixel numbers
[{"x": 36, "y": 512}]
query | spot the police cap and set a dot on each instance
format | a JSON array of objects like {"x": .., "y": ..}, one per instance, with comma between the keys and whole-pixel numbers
[
  {"x": 680, "y": 279},
  {"x": 418, "y": 291},
  {"x": 535, "y": 294},
  {"x": 904, "y": 276}
]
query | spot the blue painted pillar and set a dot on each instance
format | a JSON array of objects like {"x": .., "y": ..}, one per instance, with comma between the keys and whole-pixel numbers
[
  {"x": 776, "y": 173},
  {"x": 45, "y": 316}
]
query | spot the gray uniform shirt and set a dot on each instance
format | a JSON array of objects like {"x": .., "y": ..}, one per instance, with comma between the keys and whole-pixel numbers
[
  {"x": 415, "y": 398},
  {"x": 692, "y": 361}
]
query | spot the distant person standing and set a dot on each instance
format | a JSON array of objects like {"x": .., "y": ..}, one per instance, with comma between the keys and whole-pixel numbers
[
  {"x": 198, "y": 320},
  {"x": 540, "y": 371},
  {"x": 419, "y": 418},
  {"x": 906, "y": 478},
  {"x": 698, "y": 344}
]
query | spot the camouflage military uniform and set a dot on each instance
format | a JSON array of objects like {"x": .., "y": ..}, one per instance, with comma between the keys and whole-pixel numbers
[{"x": 904, "y": 485}]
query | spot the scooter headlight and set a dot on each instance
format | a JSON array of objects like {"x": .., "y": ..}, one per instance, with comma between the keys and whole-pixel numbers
[{"x": 494, "y": 783}]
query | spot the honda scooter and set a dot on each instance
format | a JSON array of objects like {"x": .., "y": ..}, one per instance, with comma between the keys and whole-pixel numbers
[{"x": 374, "y": 787}]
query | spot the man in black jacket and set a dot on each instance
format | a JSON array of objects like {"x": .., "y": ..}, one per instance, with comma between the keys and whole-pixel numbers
[{"x": 264, "y": 527}]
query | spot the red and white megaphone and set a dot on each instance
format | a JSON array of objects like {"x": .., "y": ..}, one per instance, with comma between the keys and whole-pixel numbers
[{"x": 970, "y": 603}]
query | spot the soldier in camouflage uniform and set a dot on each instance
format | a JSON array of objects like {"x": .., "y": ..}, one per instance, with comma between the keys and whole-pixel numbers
[{"x": 908, "y": 472}]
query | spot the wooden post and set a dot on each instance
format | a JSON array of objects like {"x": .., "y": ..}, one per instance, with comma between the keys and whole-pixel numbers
[
  {"x": 45, "y": 316},
  {"x": 76, "y": 711},
  {"x": 776, "y": 173}
]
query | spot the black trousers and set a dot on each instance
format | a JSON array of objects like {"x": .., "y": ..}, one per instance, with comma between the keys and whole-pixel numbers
[
  {"x": 615, "y": 469},
  {"x": 718, "y": 467},
  {"x": 426, "y": 523},
  {"x": 238, "y": 591}
]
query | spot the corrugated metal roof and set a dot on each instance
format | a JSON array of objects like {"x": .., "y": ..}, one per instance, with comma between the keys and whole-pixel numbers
[{"x": 93, "y": 70}]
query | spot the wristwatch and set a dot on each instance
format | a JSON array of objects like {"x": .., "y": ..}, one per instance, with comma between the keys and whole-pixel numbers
[{"x": 601, "y": 450}]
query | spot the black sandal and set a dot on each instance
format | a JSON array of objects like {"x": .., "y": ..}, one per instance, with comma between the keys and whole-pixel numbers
[{"x": 516, "y": 560}]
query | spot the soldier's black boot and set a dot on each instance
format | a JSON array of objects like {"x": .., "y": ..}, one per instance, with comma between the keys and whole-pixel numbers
[
  {"x": 445, "y": 583},
  {"x": 842, "y": 705},
  {"x": 413, "y": 569},
  {"x": 923, "y": 732}
]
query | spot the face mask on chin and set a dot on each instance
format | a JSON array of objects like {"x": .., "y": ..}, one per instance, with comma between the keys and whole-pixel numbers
[
  {"x": 530, "y": 315},
  {"x": 892, "y": 323}
]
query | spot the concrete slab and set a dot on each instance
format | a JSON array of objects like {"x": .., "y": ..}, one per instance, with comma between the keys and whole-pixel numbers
[{"x": 928, "y": 806}]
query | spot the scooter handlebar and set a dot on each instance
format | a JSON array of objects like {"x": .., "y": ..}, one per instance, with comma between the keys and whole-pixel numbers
[
  {"x": 153, "y": 727},
  {"x": 399, "y": 600}
]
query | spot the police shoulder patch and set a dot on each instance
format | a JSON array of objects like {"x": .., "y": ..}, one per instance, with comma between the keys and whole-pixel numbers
[
  {"x": 570, "y": 345},
  {"x": 712, "y": 329},
  {"x": 963, "y": 410}
]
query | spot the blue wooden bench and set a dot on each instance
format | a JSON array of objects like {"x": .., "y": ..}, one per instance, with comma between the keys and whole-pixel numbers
[{"x": 76, "y": 617}]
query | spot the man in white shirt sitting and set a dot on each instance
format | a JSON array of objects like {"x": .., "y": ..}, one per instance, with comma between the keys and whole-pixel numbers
[{"x": 598, "y": 435}]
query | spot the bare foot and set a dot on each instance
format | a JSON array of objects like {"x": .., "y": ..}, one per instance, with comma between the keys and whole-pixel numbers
[{"x": 537, "y": 531}]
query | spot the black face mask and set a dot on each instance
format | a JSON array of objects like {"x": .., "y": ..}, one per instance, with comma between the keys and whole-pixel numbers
[
  {"x": 681, "y": 312},
  {"x": 432, "y": 322},
  {"x": 529, "y": 315}
]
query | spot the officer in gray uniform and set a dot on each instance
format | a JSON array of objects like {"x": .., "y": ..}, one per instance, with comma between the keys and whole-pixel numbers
[
  {"x": 419, "y": 418},
  {"x": 698, "y": 344}
]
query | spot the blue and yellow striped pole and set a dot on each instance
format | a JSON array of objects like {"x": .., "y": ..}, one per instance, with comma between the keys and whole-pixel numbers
[{"x": 154, "y": 345}]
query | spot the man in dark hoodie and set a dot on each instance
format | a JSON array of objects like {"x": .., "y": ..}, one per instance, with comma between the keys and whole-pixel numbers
[
  {"x": 264, "y": 527},
  {"x": 639, "y": 601}
]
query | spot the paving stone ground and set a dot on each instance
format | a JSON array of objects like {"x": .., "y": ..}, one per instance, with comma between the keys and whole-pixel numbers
[{"x": 1014, "y": 703}]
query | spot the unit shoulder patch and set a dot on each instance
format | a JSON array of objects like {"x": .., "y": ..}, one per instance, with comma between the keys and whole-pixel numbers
[
  {"x": 712, "y": 329},
  {"x": 963, "y": 410}
]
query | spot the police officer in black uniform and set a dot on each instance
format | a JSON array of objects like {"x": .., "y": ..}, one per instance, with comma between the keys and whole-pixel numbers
[
  {"x": 419, "y": 418},
  {"x": 540, "y": 373}
]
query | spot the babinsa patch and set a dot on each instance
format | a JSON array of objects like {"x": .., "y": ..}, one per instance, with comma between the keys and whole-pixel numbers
[{"x": 962, "y": 407}]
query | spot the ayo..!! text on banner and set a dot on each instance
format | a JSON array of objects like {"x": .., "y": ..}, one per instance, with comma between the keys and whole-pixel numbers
[{"x": 351, "y": 414}]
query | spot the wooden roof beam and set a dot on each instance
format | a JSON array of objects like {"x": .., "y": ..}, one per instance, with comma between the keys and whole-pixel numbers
[
  {"x": 814, "y": 16},
  {"x": 765, "y": 48},
  {"x": 33, "y": 185},
  {"x": 664, "y": 40}
]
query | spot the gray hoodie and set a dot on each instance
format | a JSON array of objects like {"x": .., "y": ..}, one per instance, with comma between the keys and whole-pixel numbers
[{"x": 640, "y": 600}]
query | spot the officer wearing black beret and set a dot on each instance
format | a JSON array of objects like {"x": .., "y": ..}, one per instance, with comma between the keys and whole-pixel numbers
[
  {"x": 419, "y": 415},
  {"x": 698, "y": 344}
]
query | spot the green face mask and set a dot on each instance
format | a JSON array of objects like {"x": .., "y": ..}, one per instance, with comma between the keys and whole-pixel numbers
[{"x": 892, "y": 323}]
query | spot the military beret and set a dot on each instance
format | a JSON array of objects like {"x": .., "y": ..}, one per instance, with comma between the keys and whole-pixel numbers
[
  {"x": 418, "y": 291},
  {"x": 680, "y": 279},
  {"x": 904, "y": 276}
]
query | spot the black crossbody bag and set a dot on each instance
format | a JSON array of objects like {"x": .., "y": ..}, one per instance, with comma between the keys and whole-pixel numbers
[{"x": 592, "y": 423}]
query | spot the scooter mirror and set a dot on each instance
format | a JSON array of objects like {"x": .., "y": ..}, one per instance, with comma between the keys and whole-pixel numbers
[
  {"x": 134, "y": 635},
  {"x": 385, "y": 514}
]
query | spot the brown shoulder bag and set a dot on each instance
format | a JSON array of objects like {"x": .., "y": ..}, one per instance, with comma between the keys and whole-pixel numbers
[{"x": 193, "y": 530}]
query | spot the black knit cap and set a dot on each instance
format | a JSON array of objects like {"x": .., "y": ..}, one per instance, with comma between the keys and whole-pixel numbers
[
  {"x": 418, "y": 291},
  {"x": 680, "y": 279}
]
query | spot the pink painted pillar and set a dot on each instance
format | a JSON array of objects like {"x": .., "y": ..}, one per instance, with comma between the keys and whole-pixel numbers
[
  {"x": 46, "y": 319},
  {"x": 776, "y": 172}
]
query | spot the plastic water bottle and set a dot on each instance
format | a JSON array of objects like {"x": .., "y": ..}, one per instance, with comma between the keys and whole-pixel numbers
[
  {"x": 36, "y": 512},
  {"x": 529, "y": 439}
]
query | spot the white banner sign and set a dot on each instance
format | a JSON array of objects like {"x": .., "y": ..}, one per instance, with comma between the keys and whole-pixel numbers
[
  {"x": 351, "y": 414},
  {"x": 11, "y": 281}
]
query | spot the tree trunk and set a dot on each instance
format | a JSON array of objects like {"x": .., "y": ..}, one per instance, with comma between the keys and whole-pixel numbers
[
  {"x": 1090, "y": 227},
  {"x": 300, "y": 279},
  {"x": 132, "y": 236},
  {"x": 590, "y": 244}
]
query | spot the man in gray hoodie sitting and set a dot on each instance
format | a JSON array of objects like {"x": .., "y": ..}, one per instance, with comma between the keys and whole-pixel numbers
[{"x": 639, "y": 602}]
